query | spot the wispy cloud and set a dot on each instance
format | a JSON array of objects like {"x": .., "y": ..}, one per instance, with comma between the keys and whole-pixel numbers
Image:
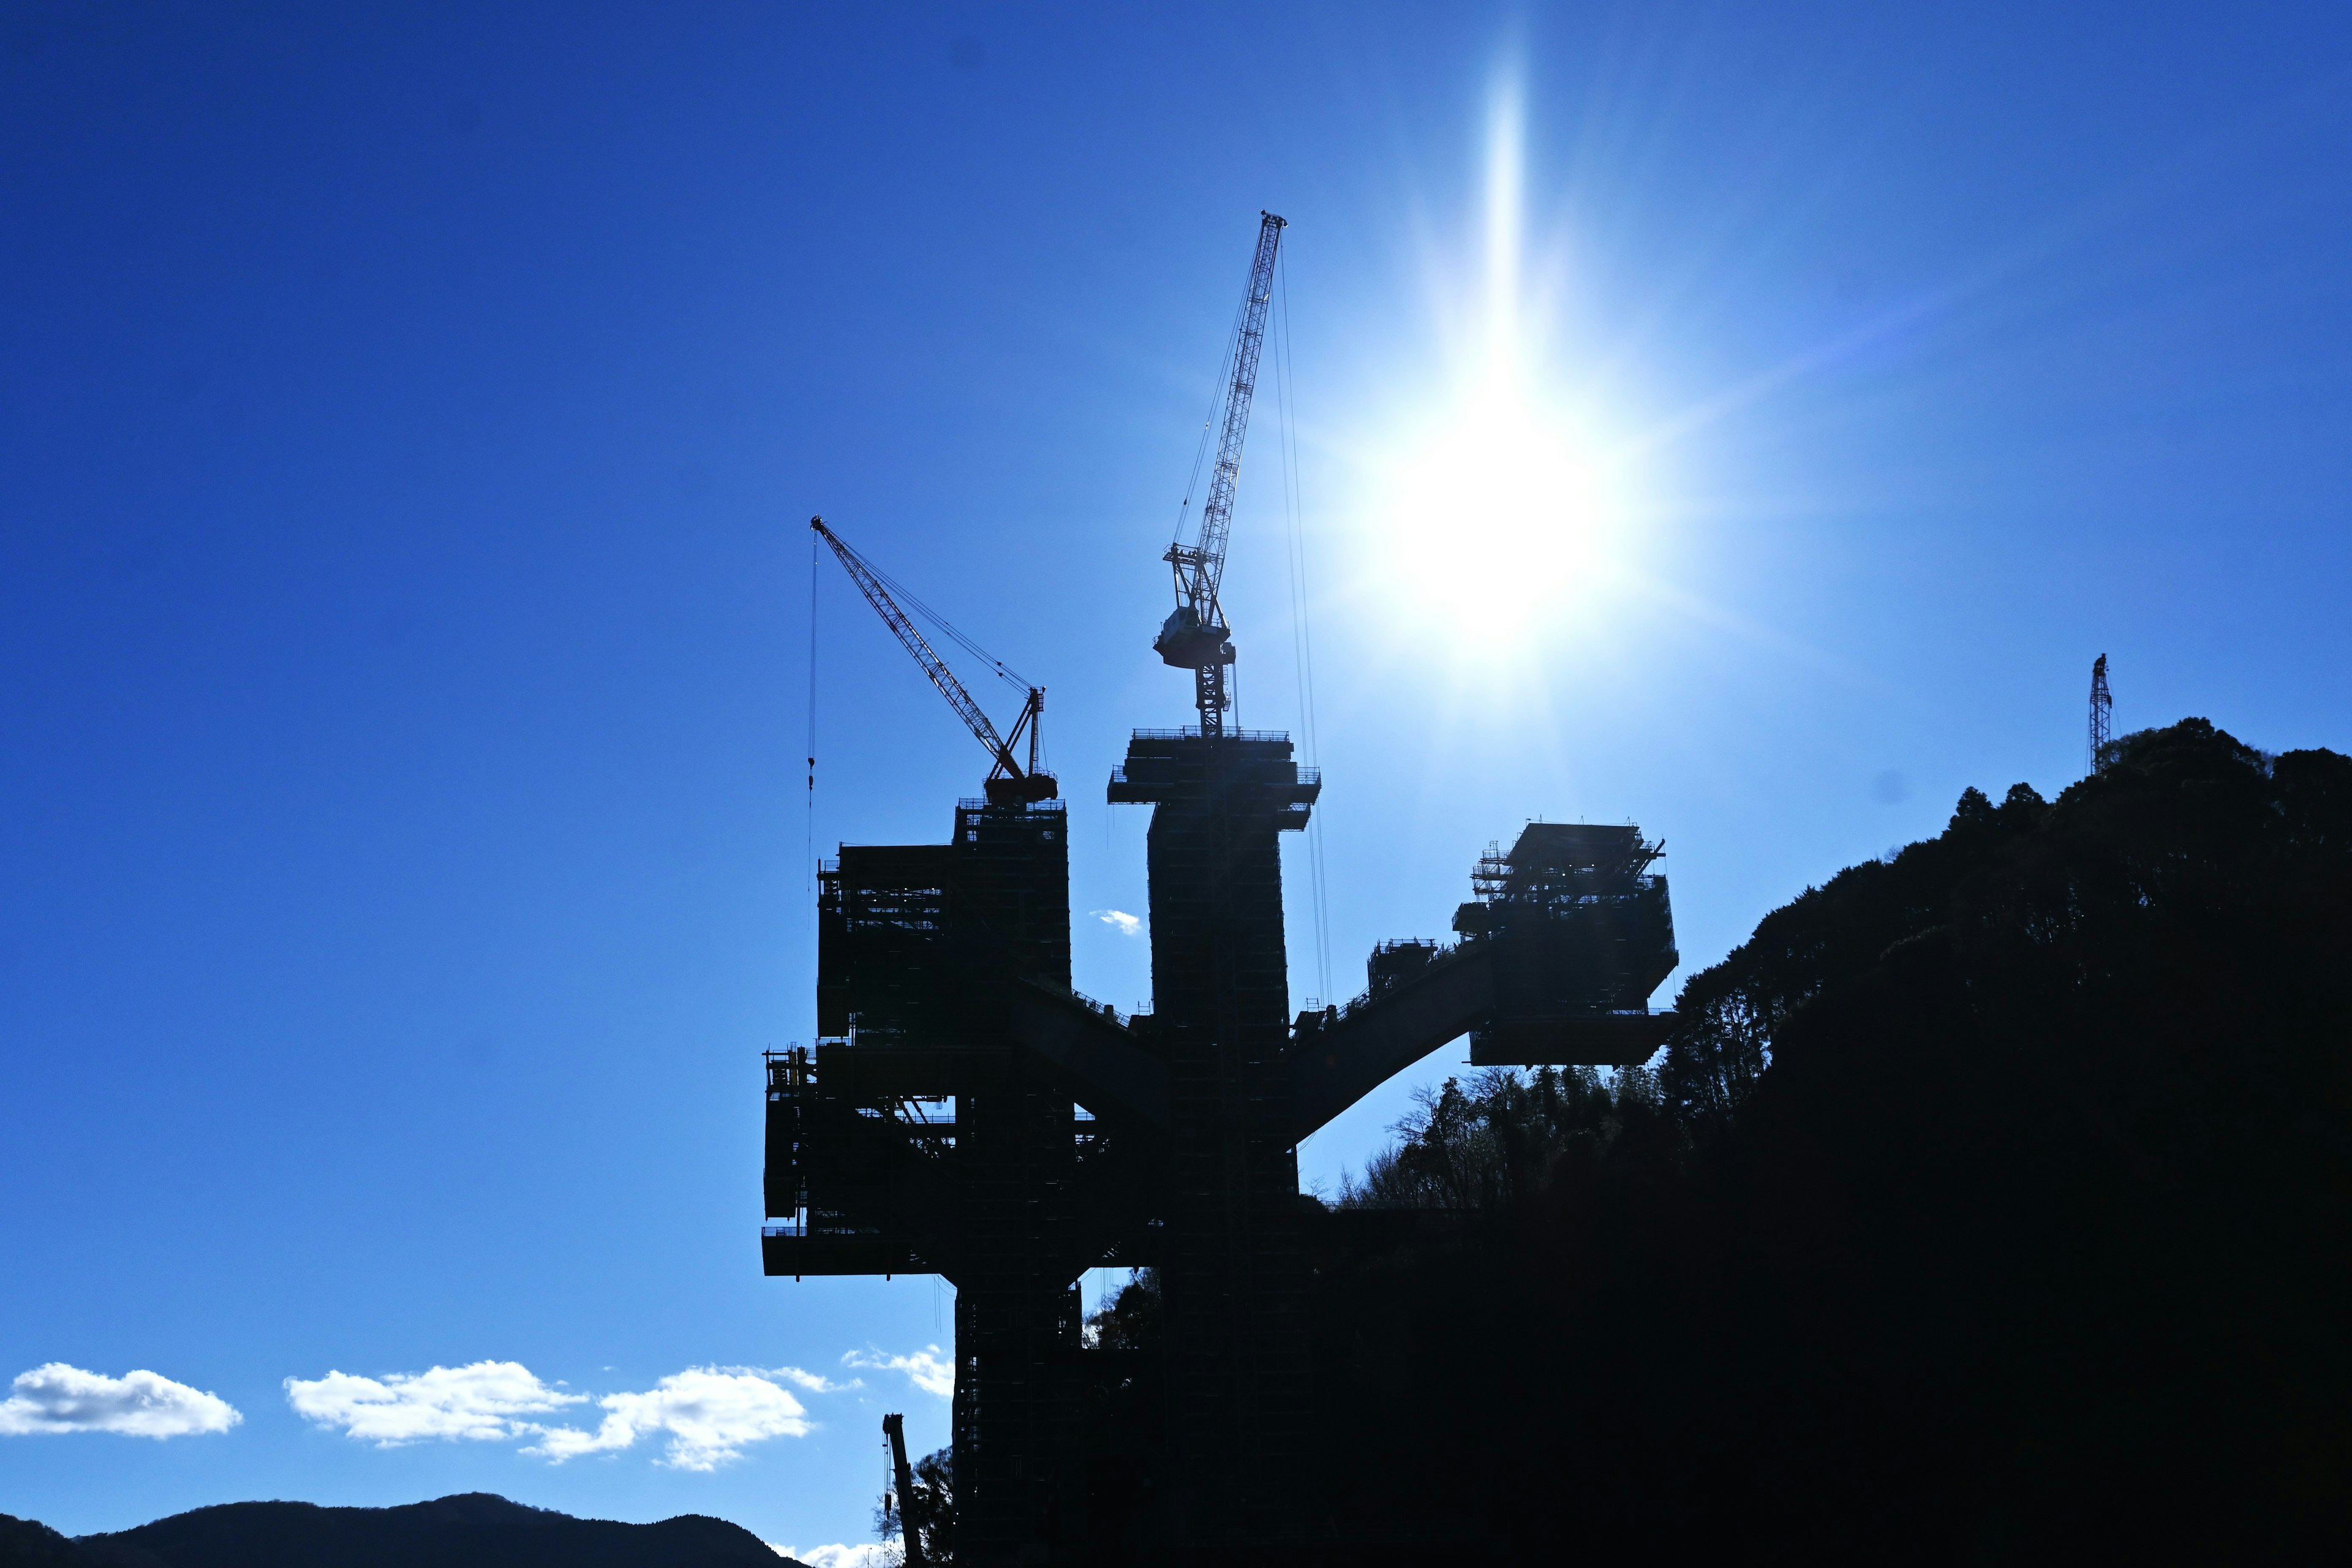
[
  {"x": 815, "y": 1384},
  {"x": 60, "y": 1398},
  {"x": 1120, "y": 921},
  {"x": 709, "y": 1413},
  {"x": 925, "y": 1368},
  {"x": 479, "y": 1401}
]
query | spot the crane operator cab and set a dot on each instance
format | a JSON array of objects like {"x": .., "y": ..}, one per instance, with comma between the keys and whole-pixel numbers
[{"x": 1184, "y": 643}]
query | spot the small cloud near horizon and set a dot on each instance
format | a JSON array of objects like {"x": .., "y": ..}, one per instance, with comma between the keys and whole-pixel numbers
[{"x": 55, "y": 1397}]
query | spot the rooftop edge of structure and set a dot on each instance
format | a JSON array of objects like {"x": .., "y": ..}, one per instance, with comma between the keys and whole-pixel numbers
[{"x": 1192, "y": 733}]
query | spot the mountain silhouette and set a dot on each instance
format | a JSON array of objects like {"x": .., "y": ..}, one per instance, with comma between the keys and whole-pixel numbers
[{"x": 473, "y": 1529}]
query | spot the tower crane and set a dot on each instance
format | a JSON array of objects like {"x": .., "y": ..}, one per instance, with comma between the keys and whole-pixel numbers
[
  {"x": 1195, "y": 637},
  {"x": 1009, "y": 782}
]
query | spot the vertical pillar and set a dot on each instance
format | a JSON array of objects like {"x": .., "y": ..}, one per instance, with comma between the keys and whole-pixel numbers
[{"x": 1234, "y": 1275}]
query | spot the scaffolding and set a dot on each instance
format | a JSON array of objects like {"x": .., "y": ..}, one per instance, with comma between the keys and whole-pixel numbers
[{"x": 916, "y": 1137}]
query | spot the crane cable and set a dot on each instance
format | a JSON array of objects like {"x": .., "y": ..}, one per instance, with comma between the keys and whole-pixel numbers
[
  {"x": 1216, "y": 401},
  {"x": 898, "y": 591},
  {"x": 1302, "y": 646},
  {"x": 808, "y": 850}
]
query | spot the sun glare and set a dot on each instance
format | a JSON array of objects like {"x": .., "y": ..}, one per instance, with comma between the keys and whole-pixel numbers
[
  {"x": 1499, "y": 507},
  {"x": 1500, "y": 519}
]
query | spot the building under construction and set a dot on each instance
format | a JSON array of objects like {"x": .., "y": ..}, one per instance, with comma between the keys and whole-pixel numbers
[{"x": 965, "y": 1112}]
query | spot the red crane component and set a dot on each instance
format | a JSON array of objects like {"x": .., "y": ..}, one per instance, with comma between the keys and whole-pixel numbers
[
  {"x": 1195, "y": 637},
  {"x": 1008, "y": 783}
]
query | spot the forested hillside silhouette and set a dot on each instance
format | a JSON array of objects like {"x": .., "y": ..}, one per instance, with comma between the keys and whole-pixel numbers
[
  {"x": 1990, "y": 1203},
  {"x": 472, "y": 1530}
]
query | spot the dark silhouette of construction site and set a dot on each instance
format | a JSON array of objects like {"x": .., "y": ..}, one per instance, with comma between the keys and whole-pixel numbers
[{"x": 965, "y": 1112}]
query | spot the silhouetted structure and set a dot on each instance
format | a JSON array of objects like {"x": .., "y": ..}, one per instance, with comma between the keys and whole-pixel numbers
[
  {"x": 964, "y": 1112},
  {"x": 944, "y": 982},
  {"x": 917, "y": 1136}
]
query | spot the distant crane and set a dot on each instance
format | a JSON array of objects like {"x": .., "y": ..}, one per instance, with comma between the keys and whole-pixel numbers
[
  {"x": 2102, "y": 709},
  {"x": 1195, "y": 637},
  {"x": 1009, "y": 782}
]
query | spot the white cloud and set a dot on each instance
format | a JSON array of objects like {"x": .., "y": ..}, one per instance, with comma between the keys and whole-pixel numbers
[
  {"x": 1120, "y": 921},
  {"x": 478, "y": 1401},
  {"x": 925, "y": 1368},
  {"x": 870, "y": 1556},
  {"x": 61, "y": 1398},
  {"x": 708, "y": 1412},
  {"x": 815, "y": 1384}
]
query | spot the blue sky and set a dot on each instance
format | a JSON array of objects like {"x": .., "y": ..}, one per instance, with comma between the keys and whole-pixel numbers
[{"x": 412, "y": 414}]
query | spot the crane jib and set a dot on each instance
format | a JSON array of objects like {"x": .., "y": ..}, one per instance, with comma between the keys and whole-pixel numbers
[
  {"x": 1008, "y": 781},
  {"x": 1217, "y": 515}
]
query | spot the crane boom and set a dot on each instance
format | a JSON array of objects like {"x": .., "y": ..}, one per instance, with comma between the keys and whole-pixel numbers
[
  {"x": 910, "y": 1534},
  {"x": 1008, "y": 781},
  {"x": 1195, "y": 637}
]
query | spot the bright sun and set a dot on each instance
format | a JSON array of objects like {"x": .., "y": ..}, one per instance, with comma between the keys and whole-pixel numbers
[
  {"x": 1500, "y": 510},
  {"x": 1501, "y": 516}
]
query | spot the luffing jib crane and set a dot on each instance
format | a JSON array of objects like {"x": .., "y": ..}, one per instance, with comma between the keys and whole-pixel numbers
[
  {"x": 1195, "y": 637},
  {"x": 1009, "y": 782}
]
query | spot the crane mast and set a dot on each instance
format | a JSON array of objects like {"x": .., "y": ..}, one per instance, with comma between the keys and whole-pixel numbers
[
  {"x": 1195, "y": 637},
  {"x": 2103, "y": 704},
  {"x": 1008, "y": 781}
]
